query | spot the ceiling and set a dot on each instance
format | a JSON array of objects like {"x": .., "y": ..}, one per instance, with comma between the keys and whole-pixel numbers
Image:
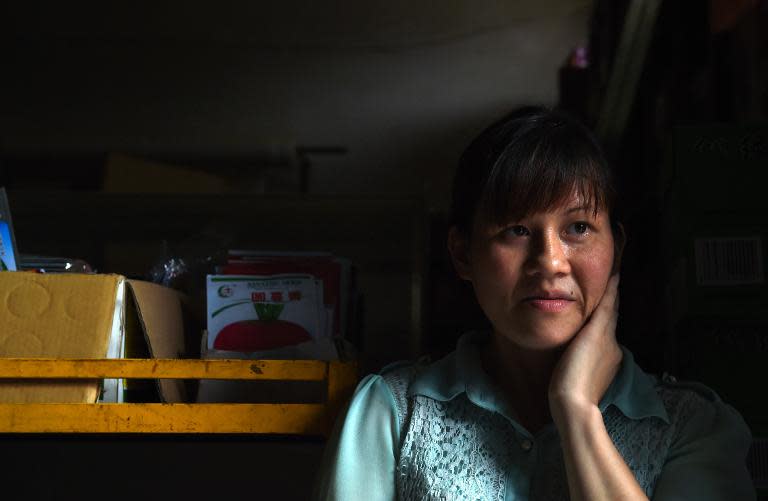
[{"x": 278, "y": 24}]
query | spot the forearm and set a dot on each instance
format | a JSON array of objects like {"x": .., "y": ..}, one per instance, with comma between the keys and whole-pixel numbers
[{"x": 596, "y": 471}]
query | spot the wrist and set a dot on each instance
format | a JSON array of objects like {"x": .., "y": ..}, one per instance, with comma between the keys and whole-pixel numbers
[
  {"x": 595, "y": 468},
  {"x": 569, "y": 413}
]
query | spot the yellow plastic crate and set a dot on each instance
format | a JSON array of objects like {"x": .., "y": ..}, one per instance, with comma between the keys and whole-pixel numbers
[{"x": 291, "y": 419}]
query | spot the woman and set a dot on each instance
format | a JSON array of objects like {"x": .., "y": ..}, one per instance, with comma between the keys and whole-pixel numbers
[{"x": 547, "y": 405}]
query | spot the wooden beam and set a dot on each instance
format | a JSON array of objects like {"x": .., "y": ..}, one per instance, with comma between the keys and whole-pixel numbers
[
  {"x": 300, "y": 419},
  {"x": 40, "y": 368}
]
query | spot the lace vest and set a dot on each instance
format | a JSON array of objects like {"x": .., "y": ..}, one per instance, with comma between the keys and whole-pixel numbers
[{"x": 455, "y": 450}]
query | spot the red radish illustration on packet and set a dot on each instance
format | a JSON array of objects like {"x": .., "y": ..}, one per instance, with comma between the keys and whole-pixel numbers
[
  {"x": 265, "y": 333},
  {"x": 252, "y": 313}
]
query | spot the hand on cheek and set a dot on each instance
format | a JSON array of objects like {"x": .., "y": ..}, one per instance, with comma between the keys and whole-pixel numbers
[{"x": 590, "y": 361}]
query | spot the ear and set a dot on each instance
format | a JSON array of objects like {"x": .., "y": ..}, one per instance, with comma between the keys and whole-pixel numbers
[
  {"x": 619, "y": 241},
  {"x": 458, "y": 246}
]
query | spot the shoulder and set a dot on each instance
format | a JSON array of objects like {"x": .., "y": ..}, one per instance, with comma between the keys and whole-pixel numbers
[
  {"x": 695, "y": 409},
  {"x": 708, "y": 445},
  {"x": 371, "y": 396},
  {"x": 385, "y": 391},
  {"x": 401, "y": 374},
  {"x": 398, "y": 378},
  {"x": 682, "y": 397}
]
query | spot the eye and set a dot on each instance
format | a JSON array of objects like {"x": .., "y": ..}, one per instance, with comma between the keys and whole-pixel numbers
[
  {"x": 517, "y": 230},
  {"x": 578, "y": 228}
]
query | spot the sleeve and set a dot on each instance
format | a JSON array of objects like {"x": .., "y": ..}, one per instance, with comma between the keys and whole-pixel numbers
[
  {"x": 359, "y": 458},
  {"x": 707, "y": 459}
]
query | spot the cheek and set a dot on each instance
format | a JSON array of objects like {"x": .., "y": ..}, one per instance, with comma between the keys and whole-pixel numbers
[
  {"x": 500, "y": 264},
  {"x": 592, "y": 272},
  {"x": 496, "y": 273}
]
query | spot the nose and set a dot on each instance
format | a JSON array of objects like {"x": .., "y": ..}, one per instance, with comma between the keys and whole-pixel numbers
[{"x": 547, "y": 256}]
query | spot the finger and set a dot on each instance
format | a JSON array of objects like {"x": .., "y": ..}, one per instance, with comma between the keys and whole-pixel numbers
[
  {"x": 609, "y": 303},
  {"x": 614, "y": 314}
]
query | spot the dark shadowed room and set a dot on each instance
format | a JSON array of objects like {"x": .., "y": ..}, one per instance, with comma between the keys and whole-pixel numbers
[{"x": 384, "y": 250}]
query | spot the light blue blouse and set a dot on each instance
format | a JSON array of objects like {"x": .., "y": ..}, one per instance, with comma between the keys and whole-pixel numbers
[{"x": 705, "y": 459}]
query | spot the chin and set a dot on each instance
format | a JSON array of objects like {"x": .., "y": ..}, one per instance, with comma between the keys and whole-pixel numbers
[{"x": 543, "y": 337}]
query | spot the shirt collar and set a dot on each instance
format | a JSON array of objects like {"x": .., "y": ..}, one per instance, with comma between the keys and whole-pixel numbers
[{"x": 631, "y": 391}]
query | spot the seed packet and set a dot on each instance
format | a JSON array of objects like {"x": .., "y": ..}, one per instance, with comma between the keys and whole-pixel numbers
[
  {"x": 261, "y": 313},
  {"x": 8, "y": 251},
  {"x": 335, "y": 273}
]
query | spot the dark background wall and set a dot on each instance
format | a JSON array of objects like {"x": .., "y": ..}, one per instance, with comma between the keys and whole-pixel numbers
[{"x": 402, "y": 85}]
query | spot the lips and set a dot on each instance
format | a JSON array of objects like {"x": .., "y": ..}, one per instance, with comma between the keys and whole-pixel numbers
[
  {"x": 549, "y": 301},
  {"x": 553, "y": 294}
]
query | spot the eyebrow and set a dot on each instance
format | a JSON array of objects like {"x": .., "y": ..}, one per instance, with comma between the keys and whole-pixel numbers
[{"x": 580, "y": 208}]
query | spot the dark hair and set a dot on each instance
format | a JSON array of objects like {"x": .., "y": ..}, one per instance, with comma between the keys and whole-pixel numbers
[{"x": 530, "y": 160}]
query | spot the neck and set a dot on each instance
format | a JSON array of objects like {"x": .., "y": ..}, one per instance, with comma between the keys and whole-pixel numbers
[{"x": 523, "y": 374}]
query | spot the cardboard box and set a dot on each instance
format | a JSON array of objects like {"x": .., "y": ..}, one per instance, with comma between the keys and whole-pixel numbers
[
  {"x": 128, "y": 174},
  {"x": 86, "y": 316}
]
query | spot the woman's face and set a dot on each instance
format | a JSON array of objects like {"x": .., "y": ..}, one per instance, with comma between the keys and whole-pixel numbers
[{"x": 540, "y": 278}]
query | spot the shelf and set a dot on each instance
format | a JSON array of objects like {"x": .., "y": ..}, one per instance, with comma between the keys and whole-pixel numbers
[
  {"x": 153, "y": 418},
  {"x": 131, "y": 233}
]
